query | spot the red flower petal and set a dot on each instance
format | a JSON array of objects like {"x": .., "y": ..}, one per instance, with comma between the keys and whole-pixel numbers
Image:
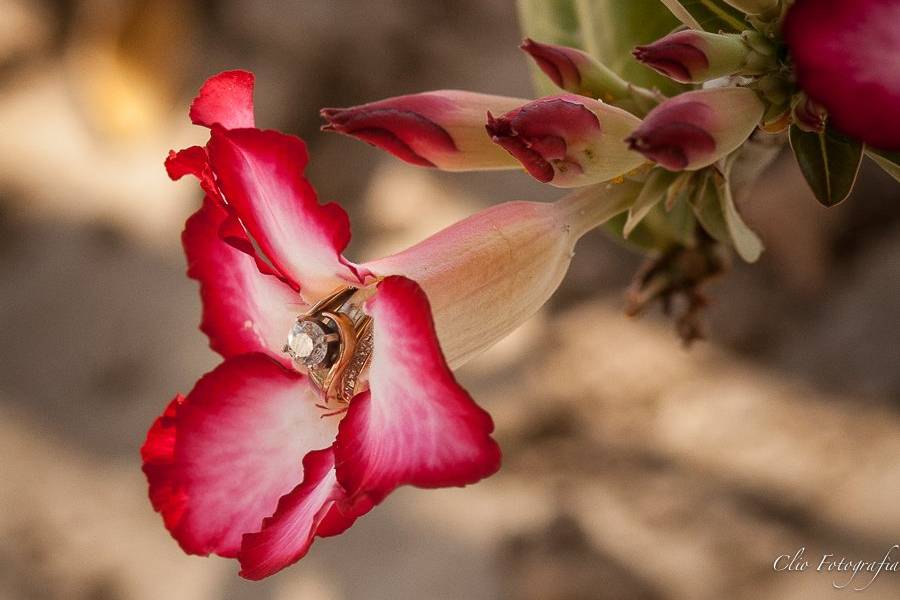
[
  {"x": 239, "y": 438},
  {"x": 243, "y": 309},
  {"x": 416, "y": 425},
  {"x": 287, "y": 535},
  {"x": 225, "y": 99},
  {"x": 190, "y": 161},
  {"x": 337, "y": 521},
  {"x": 844, "y": 54},
  {"x": 261, "y": 175},
  {"x": 233, "y": 233},
  {"x": 193, "y": 161},
  {"x": 158, "y": 454}
]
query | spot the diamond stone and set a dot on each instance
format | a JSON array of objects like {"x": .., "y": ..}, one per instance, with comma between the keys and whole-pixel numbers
[
  {"x": 306, "y": 343},
  {"x": 359, "y": 362}
]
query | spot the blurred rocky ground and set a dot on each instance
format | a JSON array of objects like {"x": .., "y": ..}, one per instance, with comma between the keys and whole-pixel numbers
[{"x": 634, "y": 469}]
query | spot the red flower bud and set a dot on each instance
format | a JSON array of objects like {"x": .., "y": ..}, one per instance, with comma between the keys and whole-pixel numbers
[
  {"x": 576, "y": 71},
  {"x": 695, "y": 56},
  {"x": 567, "y": 140},
  {"x": 695, "y": 129},
  {"x": 844, "y": 55},
  {"x": 442, "y": 129}
]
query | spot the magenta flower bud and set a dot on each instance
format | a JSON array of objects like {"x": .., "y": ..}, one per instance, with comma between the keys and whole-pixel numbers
[
  {"x": 695, "y": 56},
  {"x": 844, "y": 54},
  {"x": 567, "y": 140},
  {"x": 442, "y": 129},
  {"x": 695, "y": 129},
  {"x": 576, "y": 71},
  {"x": 807, "y": 114}
]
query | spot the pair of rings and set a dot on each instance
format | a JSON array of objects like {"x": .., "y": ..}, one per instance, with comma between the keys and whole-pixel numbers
[{"x": 333, "y": 341}]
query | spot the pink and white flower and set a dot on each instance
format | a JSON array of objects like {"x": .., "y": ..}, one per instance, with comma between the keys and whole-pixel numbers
[{"x": 250, "y": 464}]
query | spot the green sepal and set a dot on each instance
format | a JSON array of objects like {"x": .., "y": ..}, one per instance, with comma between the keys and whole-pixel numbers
[
  {"x": 654, "y": 190},
  {"x": 710, "y": 15},
  {"x": 642, "y": 239},
  {"x": 660, "y": 229},
  {"x": 713, "y": 205},
  {"x": 746, "y": 242},
  {"x": 708, "y": 209},
  {"x": 679, "y": 222},
  {"x": 657, "y": 232},
  {"x": 829, "y": 161}
]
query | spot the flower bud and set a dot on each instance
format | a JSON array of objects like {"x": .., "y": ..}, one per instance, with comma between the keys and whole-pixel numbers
[
  {"x": 443, "y": 129},
  {"x": 808, "y": 114},
  {"x": 753, "y": 7},
  {"x": 576, "y": 71},
  {"x": 567, "y": 140},
  {"x": 695, "y": 56},
  {"x": 695, "y": 129}
]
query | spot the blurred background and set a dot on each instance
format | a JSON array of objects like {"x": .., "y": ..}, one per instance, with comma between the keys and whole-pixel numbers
[{"x": 634, "y": 469}]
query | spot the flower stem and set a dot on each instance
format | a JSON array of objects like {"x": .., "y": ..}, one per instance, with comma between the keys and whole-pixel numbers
[{"x": 589, "y": 207}]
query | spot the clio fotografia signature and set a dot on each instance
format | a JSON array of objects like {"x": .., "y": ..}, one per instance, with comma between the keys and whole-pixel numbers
[{"x": 857, "y": 575}]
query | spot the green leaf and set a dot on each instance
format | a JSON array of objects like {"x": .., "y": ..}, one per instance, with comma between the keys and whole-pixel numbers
[
  {"x": 829, "y": 161},
  {"x": 610, "y": 29},
  {"x": 709, "y": 15},
  {"x": 551, "y": 21},
  {"x": 889, "y": 161},
  {"x": 607, "y": 29}
]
